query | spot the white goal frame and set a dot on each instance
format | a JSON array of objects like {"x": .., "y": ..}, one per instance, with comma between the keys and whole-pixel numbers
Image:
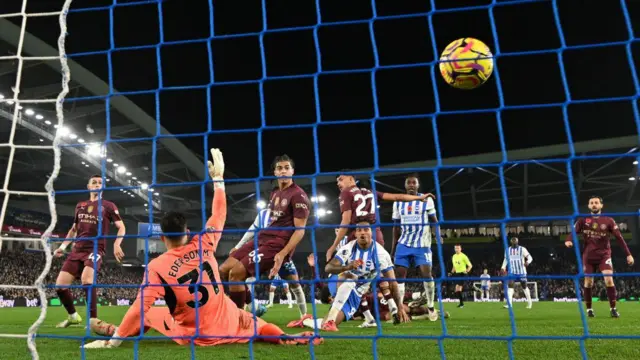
[
  {"x": 495, "y": 289},
  {"x": 55, "y": 147}
]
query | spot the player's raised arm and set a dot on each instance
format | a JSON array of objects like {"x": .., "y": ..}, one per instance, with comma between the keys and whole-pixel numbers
[
  {"x": 346, "y": 201},
  {"x": 578, "y": 228},
  {"x": 403, "y": 197},
  {"x": 216, "y": 221},
  {"x": 615, "y": 230}
]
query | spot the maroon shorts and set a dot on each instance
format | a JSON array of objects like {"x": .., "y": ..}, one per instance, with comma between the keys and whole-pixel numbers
[
  {"x": 379, "y": 236},
  {"x": 76, "y": 261},
  {"x": 267, "y": 250},
  {"x": 589, "y": 264}
]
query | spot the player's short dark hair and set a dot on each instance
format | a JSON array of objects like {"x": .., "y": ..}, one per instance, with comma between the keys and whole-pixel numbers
[
  {"x": 458, "y": 245},
  {"x": 281, "y": 158},
  {"x": 95, "y": 176},
  {"x": 596, "y": 197},
  {"x": 346, "y": 172},
  {"x": 412, "y": 175},
  {"x": 173, "y": 222},
  {"x": 325, "y": 295},
  {"x": 362, "y": 219}
]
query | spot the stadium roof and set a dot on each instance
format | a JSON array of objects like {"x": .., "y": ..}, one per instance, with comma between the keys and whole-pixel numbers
[{"x": 468, "y": 191}]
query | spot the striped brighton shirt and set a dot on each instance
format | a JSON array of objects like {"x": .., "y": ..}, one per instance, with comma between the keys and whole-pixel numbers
[
  {"x": 516, "y": 257},
  {"x": 413, "y": 217},
  {"x": 261, "y": 222}
]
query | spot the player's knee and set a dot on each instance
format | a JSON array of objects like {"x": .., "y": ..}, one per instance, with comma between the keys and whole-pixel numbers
[
  {"x": 608, "y": 281},
  {"x": 588, "y": 282},
  {"x": 87, "y": 276},
  {"x": 64, "y": 279}
]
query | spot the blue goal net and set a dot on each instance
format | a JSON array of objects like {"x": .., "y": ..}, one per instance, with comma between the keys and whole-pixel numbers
[{"x": 351, "y": 85}]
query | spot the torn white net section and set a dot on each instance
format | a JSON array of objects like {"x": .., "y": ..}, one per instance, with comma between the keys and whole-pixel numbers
[{"x": 62, "y": 16}]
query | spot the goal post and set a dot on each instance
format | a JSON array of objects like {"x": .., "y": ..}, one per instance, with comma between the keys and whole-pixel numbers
[{"x": 496, "y": 288}]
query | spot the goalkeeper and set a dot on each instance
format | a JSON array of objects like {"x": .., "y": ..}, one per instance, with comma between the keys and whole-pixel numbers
[{"x": 214, "y": 319}]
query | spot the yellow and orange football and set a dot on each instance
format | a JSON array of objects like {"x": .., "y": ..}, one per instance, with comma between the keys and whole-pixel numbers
[{"x": 466, "y": 63}]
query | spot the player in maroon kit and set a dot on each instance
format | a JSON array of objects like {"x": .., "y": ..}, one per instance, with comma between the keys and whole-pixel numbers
[
  {"x": 596, "y": 231},
  {"x": 358, "y": 203},
  {"x": 289, "y": 207},
  {"x": 80, "y": 262}
]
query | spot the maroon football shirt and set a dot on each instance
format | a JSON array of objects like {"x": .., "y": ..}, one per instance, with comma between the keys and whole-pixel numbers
[
  {"x": 284, "y": 206},
  {"x": 86, "y": 221},
  {"x": 596, "y": 233},
  {"x": 361, "y": 203}
]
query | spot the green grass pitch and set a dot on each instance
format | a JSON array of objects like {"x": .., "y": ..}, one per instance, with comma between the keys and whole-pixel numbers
[{"x": 479, "y": 319}]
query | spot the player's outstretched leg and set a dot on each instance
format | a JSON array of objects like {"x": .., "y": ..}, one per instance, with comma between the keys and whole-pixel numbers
[{"x": 66, "y": 298}]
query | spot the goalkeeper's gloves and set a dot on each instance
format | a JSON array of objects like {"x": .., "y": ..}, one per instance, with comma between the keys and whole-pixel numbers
[{"x": 216, "y": 168}]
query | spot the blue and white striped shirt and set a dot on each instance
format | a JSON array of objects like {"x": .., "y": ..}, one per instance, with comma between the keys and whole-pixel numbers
[
  {"x": 261, "y": 222},
  {"x": 486, "y": 280},
  {"x": 343, "y": 242},
  {"x": 517, "y": 256},
  {"x": 414, "y": 222},
  {"x": 373, "y": 259}
]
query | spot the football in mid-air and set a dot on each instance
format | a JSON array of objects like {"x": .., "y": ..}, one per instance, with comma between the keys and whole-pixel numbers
[{"x": 466, "y": 63}]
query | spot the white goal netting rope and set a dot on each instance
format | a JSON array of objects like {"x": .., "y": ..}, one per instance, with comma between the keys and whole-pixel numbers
[{"x": 49, "y": 190}]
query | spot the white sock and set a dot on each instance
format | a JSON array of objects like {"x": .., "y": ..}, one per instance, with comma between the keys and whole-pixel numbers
[
  {"x": 527, "y": 294},
  {"x": 510, "y": 293},
  {"x": 368, "y": 316},
  {"x": 312, "y": 323},
  {"x": 289, "y": 300},
  {"x": 430, "y": 291},
  {"x": 342, "y": 295},
  {"x": 75, "y": 315},
  {"x": 271, "y": 295},
  {"x": 300, "y": 299},
  {"x": 401, "y": 290},
  {"x": 249, "y": 282},
  {"x": 393, "y": 308}
]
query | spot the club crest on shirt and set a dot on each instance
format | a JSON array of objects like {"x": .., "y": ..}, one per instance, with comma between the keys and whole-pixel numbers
[
  {"x": 603, "y": 226},
  {"x": 90, "y": 208},
  {"x": 283, "y": 203},
  {"x": 595, "y": 226}
]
